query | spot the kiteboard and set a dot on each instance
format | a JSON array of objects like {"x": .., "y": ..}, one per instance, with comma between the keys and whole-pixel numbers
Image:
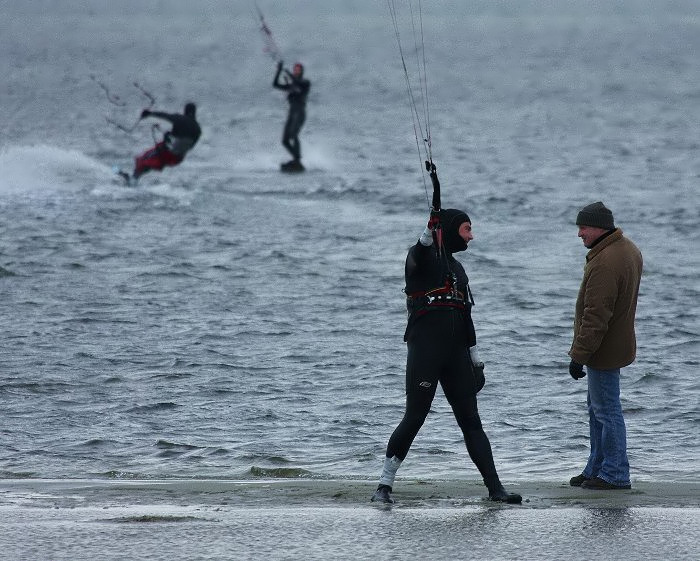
[
  {"x": 292, "y": 166},
  {"x": 124, "y": 175}
]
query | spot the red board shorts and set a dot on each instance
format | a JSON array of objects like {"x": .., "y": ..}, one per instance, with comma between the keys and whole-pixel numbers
[{"x": 156, "y": 158}]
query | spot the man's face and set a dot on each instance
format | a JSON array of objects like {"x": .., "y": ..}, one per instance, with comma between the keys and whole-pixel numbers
[
  {"x": 465, "y": 232},
  {"x": 589, "y": 234}
]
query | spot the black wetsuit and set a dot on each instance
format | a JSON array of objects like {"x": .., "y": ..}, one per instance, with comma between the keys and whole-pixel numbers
[
  {"x": 298, "y": 89},
  {"x": 172, "y": 149},
  {"x": 184, "y": 134},
  {"x": 439, "y": 335}
]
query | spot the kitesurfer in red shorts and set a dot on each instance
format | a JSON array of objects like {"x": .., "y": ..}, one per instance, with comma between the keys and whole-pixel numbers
[{"x": 175, "y": 144}]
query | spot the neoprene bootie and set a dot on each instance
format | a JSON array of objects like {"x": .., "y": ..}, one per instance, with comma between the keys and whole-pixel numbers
[
  {"x": 382, "y": 495},
  {"x": 499, "y": 494}
]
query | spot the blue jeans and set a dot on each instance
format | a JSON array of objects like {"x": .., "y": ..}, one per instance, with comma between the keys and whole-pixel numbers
[{"x": 608, "y": 459}]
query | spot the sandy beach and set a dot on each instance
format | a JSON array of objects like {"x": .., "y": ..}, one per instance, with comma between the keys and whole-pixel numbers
[
  {"x": 70, "y": 493},
  {"x": 318, "y": 519}
]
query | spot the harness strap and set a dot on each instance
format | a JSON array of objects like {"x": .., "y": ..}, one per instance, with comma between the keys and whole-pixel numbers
[
  {"x": 448, "y": 288},
  {"x": 421, "y": 304}
]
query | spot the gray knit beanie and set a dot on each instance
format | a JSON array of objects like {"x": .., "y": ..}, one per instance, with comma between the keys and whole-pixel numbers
[{"x": 596, "y": 215}]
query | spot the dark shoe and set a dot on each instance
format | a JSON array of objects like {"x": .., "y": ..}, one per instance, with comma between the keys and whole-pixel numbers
[
  {"x": 382, "y": 495},
  {"x": 578, "y": 480},
  {"x": 601, "y": 485},
  {"x": 499, "y": 494}
]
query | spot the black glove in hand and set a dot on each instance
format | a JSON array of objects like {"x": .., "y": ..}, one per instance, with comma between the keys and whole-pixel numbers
[
  {"x": 576, "y": 370},
  {"x": 145, "y": 113},
  {"x": 479, "y": 378},
  {"x": 430, "y": 166}
]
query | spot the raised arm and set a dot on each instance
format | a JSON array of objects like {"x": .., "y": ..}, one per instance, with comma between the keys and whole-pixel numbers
[{"x": 276, "y": 82}]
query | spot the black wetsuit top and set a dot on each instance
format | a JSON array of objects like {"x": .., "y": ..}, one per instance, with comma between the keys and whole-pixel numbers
[
  {"x": 297, "y": 88},
  {"x": 184, "y": 134},
  {"x": 425, "y": 272}
]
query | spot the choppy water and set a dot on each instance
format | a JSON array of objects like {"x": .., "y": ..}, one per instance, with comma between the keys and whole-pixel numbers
[{"x": 223, "y": 321}]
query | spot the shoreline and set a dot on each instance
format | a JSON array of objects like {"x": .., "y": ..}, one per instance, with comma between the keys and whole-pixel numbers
[
  {"x": 333, "y": 493},
  {"x": 285, "y": 519}
]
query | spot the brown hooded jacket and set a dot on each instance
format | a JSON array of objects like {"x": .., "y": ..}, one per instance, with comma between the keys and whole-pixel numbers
[{"x": 604, "y": 335}]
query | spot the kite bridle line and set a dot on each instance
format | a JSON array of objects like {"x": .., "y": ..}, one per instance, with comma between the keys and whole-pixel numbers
[
  {"x": 419, "y": 132},
  {"x": 116, "y": 100}
]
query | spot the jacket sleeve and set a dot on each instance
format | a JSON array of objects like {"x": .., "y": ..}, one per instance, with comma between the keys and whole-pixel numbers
[{"x": 599, "y": 297}]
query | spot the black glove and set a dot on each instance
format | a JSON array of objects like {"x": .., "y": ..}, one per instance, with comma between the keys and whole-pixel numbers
[
  {"x": 145, "y": 113},
  {"x": 430, "y": 166},
  {"x": 479, "y": 378},
  {"x": 576, "y": 370}
]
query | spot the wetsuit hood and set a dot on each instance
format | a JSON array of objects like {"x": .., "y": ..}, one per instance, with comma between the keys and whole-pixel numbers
[{"x": 451, "y": 219}]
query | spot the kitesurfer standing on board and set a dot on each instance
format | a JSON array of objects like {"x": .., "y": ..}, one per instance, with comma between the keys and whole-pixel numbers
[
  {"x": 176, "y": 143},
  {"x": 441, "y": 348},
  {"x": 298, "y": 89}
]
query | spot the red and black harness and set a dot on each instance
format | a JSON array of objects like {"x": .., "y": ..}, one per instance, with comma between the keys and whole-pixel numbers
[{"x": 446, "y": 296}]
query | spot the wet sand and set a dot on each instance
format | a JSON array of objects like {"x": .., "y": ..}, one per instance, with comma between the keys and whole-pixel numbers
[
  {"x": 62, "y": 520},
  {"x": 316, "y": 492}
]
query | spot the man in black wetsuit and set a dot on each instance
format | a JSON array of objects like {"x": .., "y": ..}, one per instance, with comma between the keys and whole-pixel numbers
[
  {"x": 441, "y": 349},
  {"x": 298, "y": 89},
  {"x": 175, "y": 144}
]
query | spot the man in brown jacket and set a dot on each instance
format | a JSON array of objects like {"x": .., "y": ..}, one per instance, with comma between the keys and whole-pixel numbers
[{"x": 604, "y": 341}]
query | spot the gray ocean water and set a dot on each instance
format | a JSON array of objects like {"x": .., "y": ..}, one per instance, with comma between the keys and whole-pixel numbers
[{"x": 224, "y": 321}]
